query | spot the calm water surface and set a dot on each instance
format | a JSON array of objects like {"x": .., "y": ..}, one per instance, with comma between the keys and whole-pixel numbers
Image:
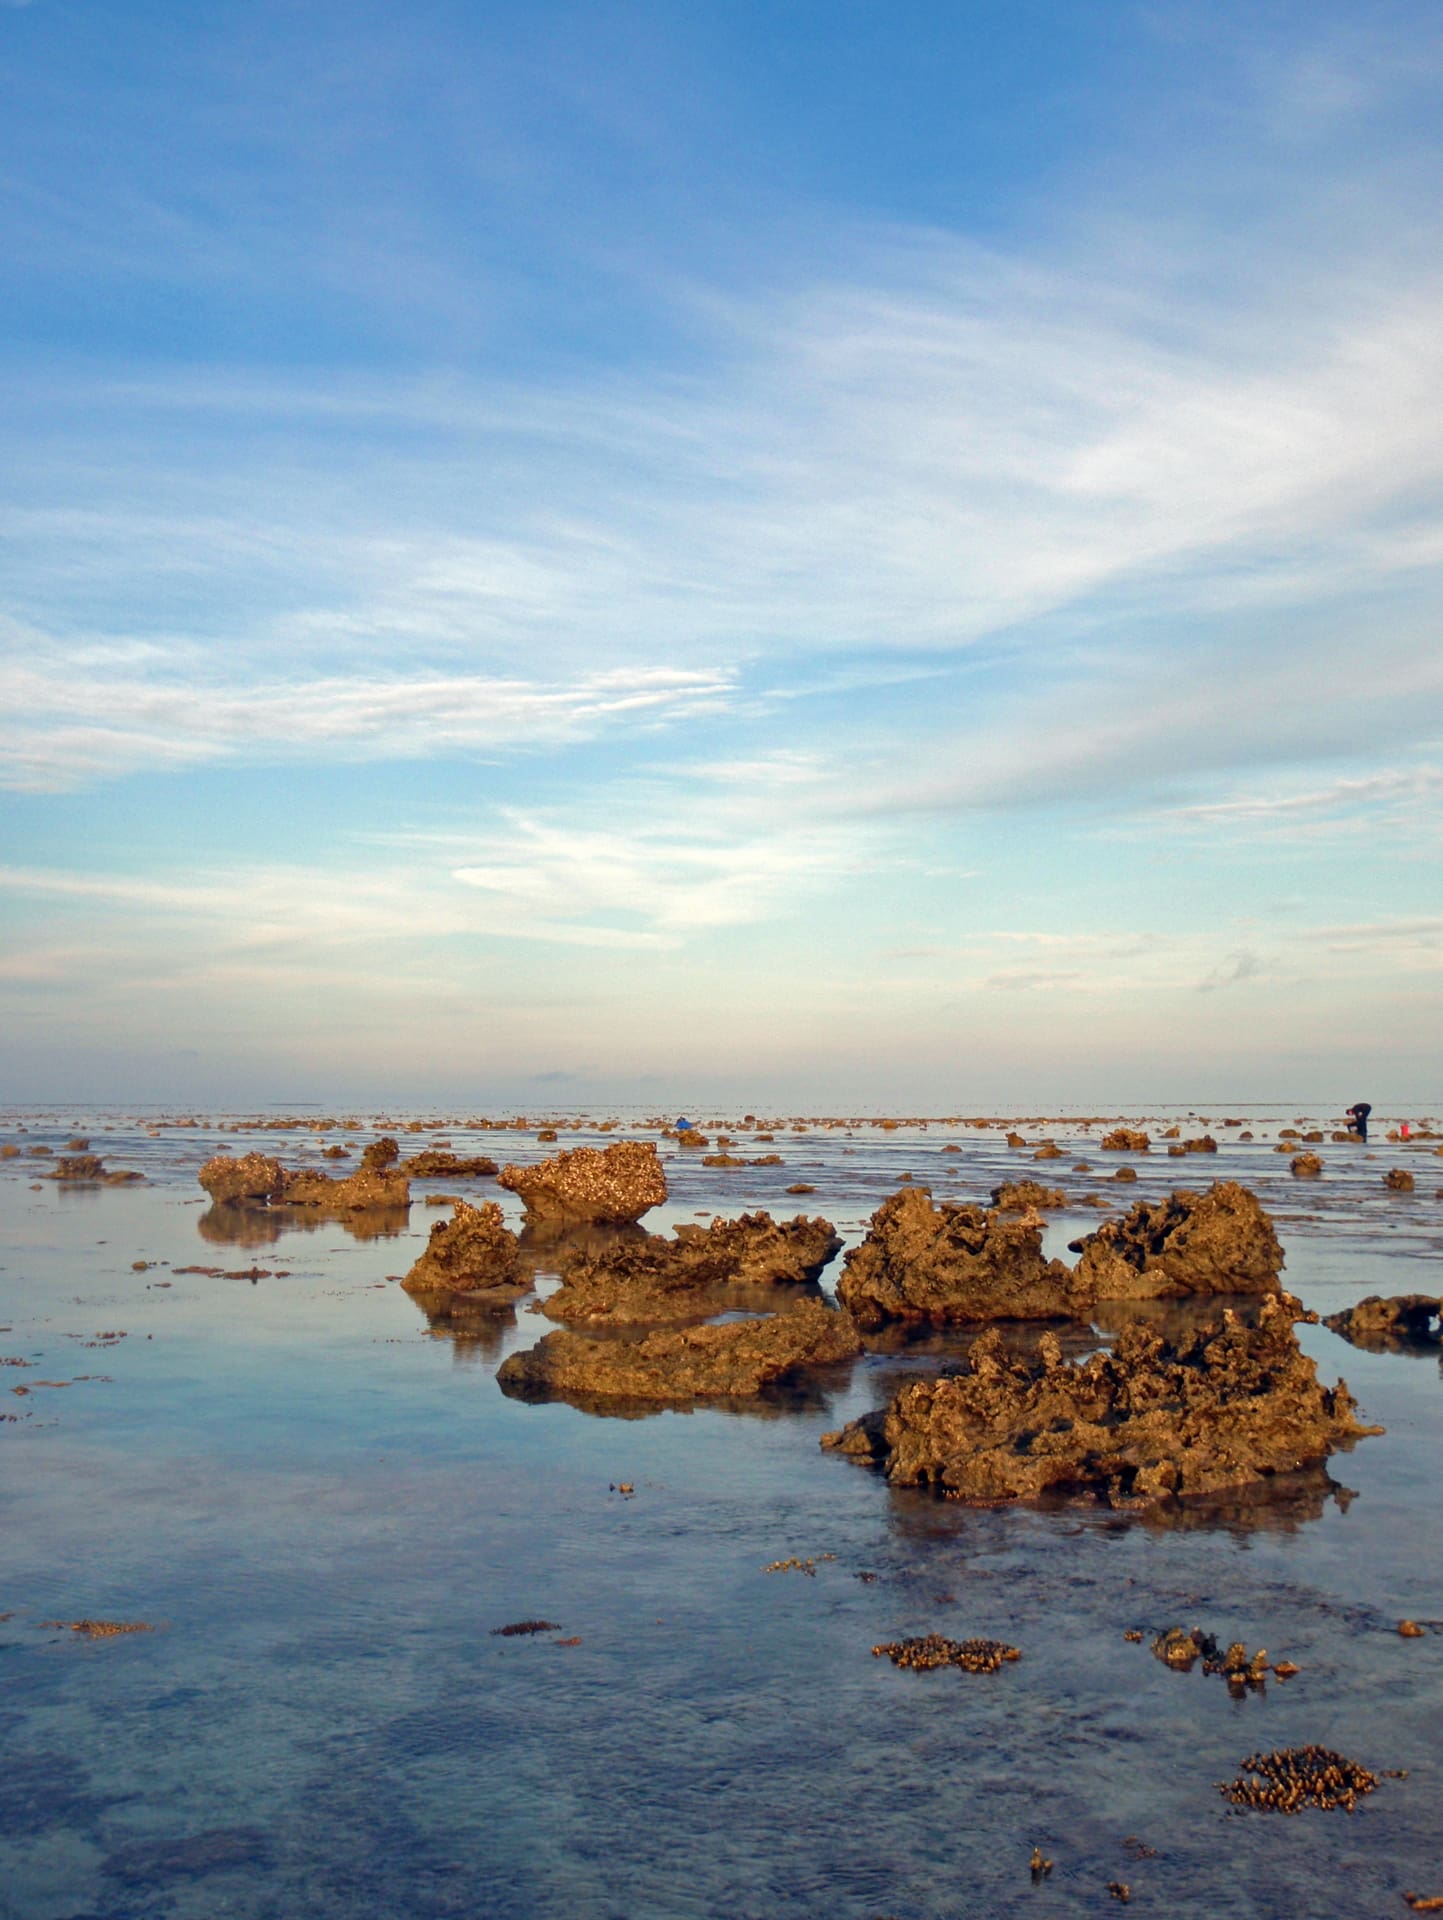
[{"x": 325, "y": 1509}]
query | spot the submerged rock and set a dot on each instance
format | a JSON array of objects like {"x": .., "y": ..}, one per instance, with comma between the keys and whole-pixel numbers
[
  {"x": 609, "y": 1185},
  {"x": 949, "y": 1263},
  {"x": 1153, "y": 1420},
  {"x": 471, "y": 1253},
  {"x": 1307, "y": 1166},
  {"x": 654, "y": 1279},
  {"x": 1220, "y": 1241},
  {"x": 737, "y": 1359}
]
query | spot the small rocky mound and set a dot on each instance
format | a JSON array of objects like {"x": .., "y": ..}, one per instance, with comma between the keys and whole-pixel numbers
[
  {"x": 1204, "y": 1145},
  {"x": 1404, "y": 1319},
  {"x": 931, "y": 1650},
  {"x": 1307, "y": 1166},
  {"x": 436, "y": 1164},
  {"x": 1124, "y": 1140},
  {"x": 1398, "y": 1180},
  {"x": 611, "y": 1186},
  {"x": 1154, "y": 1420},
  {"x": 738, "y": 1359},
  {"x": 380, "y": 1154},
  {"x": 651, "y": 1280},
  {"x": 1220, "y": 1241},
  {"x": 937, "y": 1264},
  {"x": 88, "y": 1169},
  {"x": 257, "y": 1180},
  {"x": 472, "y": 1253},
  {"x": 1020, "y": 1196}
]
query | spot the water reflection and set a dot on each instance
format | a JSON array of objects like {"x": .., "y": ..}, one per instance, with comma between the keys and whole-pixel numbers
[
  {"x": 776, "y": 1403},
  {"x": 228, "y": 1225}
]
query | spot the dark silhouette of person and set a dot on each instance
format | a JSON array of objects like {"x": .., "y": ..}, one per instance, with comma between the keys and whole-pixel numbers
[{"x": 1358, "y": 1119}]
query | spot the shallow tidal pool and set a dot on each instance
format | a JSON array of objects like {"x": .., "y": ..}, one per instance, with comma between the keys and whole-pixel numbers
[{"x": 322, "y": 1510}]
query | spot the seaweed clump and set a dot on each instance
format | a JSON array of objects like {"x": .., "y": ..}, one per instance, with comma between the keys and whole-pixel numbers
[
  {"x": 936, "y": 1650},
  {"x": 1291, "y": 1778}
]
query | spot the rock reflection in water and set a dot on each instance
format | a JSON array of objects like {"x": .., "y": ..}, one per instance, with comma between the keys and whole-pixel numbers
[
  {"x": 477, "y": 1334},
  {"x": 547, "y": 1244},
  {"x": 774, "y": 1403},
  {"x": 232, "y": 1226}
]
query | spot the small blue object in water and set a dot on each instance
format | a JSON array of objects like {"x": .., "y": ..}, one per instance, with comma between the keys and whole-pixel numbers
[{"x": 683, "y": 1126}]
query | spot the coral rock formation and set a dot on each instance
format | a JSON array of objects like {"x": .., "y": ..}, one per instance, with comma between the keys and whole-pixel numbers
[
  {"x": 739, "y": 1358},
  {"x": 1220, "y": 1241},
  {"x": 926, "y": 1263},
  {"x": 1124, "y": 1140},
  {"x": 609, "y": 1185},
  {"x": 1153, "y": 1420},
  {"x": 472, "y": 1253},
  {"x": 650, "y": 1280}
]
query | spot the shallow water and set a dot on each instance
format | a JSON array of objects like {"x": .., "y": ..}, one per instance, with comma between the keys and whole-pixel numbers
[{"x": 324, "y": 1510}]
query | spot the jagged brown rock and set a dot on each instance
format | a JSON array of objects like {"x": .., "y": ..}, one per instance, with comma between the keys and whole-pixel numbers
[
  {"x": 652, "y": 1280},
  {"x": 737, "y": 1359},
  {"x": 1307, "y": 1166},
  {"x": 1019, "y": 1196},
  {"x": 1398, "y": 1180},
  {"x": 608, "y": 1185},
  {"x": 1223, "y": 1408},
  {"x": 472, "y": 1253},
  {"x": 1220, "y": 1241},
  {"x": 253, "y": 1179},
  {"x": 1124, "y": 1140},
  {"x": 950, "y": 1263},
  {"x": 88, "y": 1169}
]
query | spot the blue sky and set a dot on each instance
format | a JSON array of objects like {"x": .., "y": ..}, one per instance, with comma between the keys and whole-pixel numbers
[{"x": 865, "y": 555}]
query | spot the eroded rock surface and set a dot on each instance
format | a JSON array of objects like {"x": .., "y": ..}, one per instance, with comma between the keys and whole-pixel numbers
[
  {"x": 1124, "y": 1140},
  {"x": 1220, "y": 1241},
  {"x": 949, "y": 1263},
  {"x": 472, "y": 1253},
  {"x": 737, "y": 1359},
  {"x": 436, "y": 1164},
  {"x": 1020, "y": 1196},
  {"x": 257, "y": 1180},
  {"x": 1383, "y": 1322},
  {"x": 653, "y": 1279},
  {"x": 608, "y": 1185},
  {"x": 1153, "y": 1420}
]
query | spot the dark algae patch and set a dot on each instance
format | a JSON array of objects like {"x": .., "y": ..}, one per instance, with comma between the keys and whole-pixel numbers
[{"x": 517, "y": 1628}]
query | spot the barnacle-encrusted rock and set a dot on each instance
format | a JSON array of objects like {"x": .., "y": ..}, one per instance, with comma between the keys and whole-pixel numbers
[
  {"x": 472, "y": 1253},
  {"x": 929, "y": 1650},
  {"x": 935, "y": 1264},
  {"x": 1398, "y": 1180},
  {"x": 1153, "y": 1420},
  {"x": 1019, "y": 1196},
  {"x": 1124, "y": 1140},
  {"x": 88, "y": 1169},
  {"x": 1307, "y": 1166},
  {"x": 255, "y": 1178},
  {"x": 651, "y": 1280},
  {"x": 610, "y": 1185},
  {"x": 737, "y": 1359},
  {"x": 1291, "y": 1778},
  {"x": 1220, "y": 1241}
]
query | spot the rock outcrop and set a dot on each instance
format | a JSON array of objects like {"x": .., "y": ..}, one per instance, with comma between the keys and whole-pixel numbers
[
  {"x": 436, "y": 1164},
  {"x": 88, "y": 1169},
  {"x": 257, "y": 1180},
  {"x": 1220, "y": 1241},
  {"x": 737, "y": 1359},
  {"x": 1385, "y": 1323},
  {"x": 473, "y": 1253},
  {"x": 611, "y": 1186},
  {"x": 652, "y": 1280},
  {"x": 1020, "y": 1196},
  {"x": 1124, "y": 1140},
  {"x": 1307, "y": 1166},
  {"x": 1152, "y": 1421},
  {"x": 938, "y": 1264}
]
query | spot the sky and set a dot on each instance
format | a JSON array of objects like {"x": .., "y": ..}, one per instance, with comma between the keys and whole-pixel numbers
[{"x": 884, "y": 555}]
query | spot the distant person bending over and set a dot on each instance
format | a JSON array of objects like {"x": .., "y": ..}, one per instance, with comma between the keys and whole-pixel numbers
[{"x": 1358, "y": 1119}]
